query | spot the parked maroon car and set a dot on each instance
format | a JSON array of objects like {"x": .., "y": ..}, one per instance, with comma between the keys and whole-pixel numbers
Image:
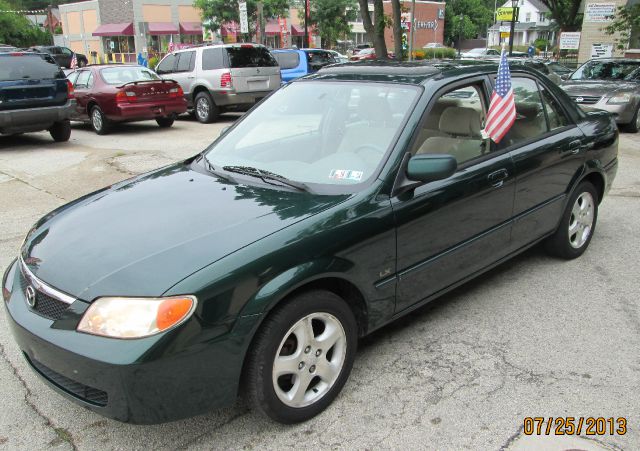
[{"x": 107, "y": 94}]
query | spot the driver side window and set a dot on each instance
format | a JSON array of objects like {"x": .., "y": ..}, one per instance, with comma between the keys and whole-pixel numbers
[{"x": 454, "y": 125}]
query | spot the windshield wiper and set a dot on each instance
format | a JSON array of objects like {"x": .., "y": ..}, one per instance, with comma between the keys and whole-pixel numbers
[
  {"x": 211, "y": 168},
  {"x": 266, "y": 176}
]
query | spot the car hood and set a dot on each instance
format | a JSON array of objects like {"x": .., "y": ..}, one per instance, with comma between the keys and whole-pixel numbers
[
  {"x": 597, "y": 87},
  {"x": 142, "y": 236}
]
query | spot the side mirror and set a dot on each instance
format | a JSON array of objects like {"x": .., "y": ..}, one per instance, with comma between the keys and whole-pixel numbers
[
  {"x": 565, "y": 76},
  {"x": 431, "y": 167}
]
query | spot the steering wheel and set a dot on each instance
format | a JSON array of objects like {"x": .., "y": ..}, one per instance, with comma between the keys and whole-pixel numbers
[{"x": 369, "y": 152}]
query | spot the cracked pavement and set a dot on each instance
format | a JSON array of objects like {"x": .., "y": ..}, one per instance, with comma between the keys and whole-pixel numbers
[{"x": 533, "y": 337}]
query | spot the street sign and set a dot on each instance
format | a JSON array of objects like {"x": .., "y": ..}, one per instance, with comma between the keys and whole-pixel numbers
[
  {"x": 244, "y": 21},
  {"x": 505, "y": 14},
  {"x": 570, "y": 40}
]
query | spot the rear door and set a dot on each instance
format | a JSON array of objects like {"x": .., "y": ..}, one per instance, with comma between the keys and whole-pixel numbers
[
  {"x": 28, "y": 81},
  {"x": 253, "y": 68}
]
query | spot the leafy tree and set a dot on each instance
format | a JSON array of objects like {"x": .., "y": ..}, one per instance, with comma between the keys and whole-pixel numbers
[
  {"x": 466, "y": 18},
  {"x": 626, "y": 27},
  {"x": 17, "y": 30},
  {"x": 565, "y": 13},
  {"x": 375, "y": 30},
  {"x": 331, "y": 18},
  {"x": 224, "y": 11}
]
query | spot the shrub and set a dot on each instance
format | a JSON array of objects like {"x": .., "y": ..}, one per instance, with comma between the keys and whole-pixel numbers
[
  {"x": 153, "y": 62},
  {"x": 438, "y": 53}
]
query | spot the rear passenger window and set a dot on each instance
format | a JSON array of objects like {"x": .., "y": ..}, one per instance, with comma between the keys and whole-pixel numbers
[
  {"x": 454, "y": 124},
  {"x": 530, "y": 121},
  {"x": 185, "y": 61},
  {"x": 167, "y": 64},
  {"x": 212, "y": 59},
  {"x": 287, "y": 60},
  {"x": 555, "y": 114}
]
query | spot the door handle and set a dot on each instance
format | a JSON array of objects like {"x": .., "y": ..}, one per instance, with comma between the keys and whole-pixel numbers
[
  {"x": 191, "y": 77},
  {"x": 497, "y": 178},
  {"x": 574, "y": 147}
]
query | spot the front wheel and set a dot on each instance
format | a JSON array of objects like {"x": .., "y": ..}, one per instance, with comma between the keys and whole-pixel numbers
[
  {"x": 301, "y": 357},
  {"x": 577, "y": 224},
  {"x": 60, "y": 131},
  {"x": 634, "y": 125},
  {"x": 165, "y": 122}
]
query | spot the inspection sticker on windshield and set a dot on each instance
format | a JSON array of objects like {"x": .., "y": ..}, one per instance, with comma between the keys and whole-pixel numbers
[{"x": 346, "y": 174}]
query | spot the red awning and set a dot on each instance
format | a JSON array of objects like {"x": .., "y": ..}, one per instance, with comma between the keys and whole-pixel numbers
[
  {"x": 272, "y": 28},
  {"x": 190, "y": 28},
  {"x": 114, "y": 29},
  {"x": 163, "y": 28},
  {"x": 297, "y": 30}
]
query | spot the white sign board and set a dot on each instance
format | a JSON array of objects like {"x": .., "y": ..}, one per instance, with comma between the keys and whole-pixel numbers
[
  {"x": 601, "y": 50},
  {"x": 505, "y": 28},
  {"x": 244, "y": 21},
  {"x": 570, "y": 40},
  {"x": 599, "y": 12}
]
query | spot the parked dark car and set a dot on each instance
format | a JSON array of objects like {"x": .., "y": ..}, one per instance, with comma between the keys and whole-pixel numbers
[
  {"x": 296, "y": 63},
  {"x": 611, "y": 84},
  {"x": 62, "y": 55},
  {"x": 109, "y": 94},
  {"x": 345, "y": 200},
  {"x": 34, "y": 95}
]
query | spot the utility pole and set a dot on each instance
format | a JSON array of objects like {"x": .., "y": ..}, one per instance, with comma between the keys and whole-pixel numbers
[
  {"x": 263, "y": 40},
  {"x": 460, "y": 34},
  {"x": 514, "y": 14},
  {"x": 306, "y": 29},
  {"x": 411, "y": 31}
]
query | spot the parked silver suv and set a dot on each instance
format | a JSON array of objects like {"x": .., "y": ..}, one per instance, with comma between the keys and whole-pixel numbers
[{"x": 218, "y": 78}]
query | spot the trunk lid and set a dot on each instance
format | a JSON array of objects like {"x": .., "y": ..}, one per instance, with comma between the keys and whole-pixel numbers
[
  {"x": 151, "y": 90},
  {"x": 252, "y": 68}
]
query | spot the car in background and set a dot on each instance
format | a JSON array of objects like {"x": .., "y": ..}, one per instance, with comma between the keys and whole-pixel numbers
[
  {"x": 7, "y": 48},
  {"x": 480, "y": 53},
  {"x": 558, "y": 69},
  {"x": 34, "y": 95},
  {"x": 360, "y": 47},
  {"x": 296, "y": 63},
  {"x": 433, "y": 45},
  {"x": 222, "y": 77},
  {"x": 110, "y": 94},
  {"x": 339, "y": 57},
  {"x": 540, "y": 66},
  {"x": 611, "y": 84},
  {"x": 62, "y": 55}
]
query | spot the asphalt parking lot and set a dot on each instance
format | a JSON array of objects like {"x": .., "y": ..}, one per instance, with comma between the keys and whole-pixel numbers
[{"x": 534, "y": 337}]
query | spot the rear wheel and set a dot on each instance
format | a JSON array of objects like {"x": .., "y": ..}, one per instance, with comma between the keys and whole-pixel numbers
[
  {"x": 165, "y": 122},
  {"x": 61, "y": 131},
  {"x": 301, "y": 357},
  {"x": 577, "y": 225},
  {"x": 205, "y": 109},
  {"x": 634, "y": 125},
  {"x": 99, "y": 121}
]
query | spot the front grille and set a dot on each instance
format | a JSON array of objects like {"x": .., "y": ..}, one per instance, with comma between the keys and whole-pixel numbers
[
  {"x": 80, "y": 391},
  {"x": 586, "y": 100},
  {"x": 46, "y": 306}
]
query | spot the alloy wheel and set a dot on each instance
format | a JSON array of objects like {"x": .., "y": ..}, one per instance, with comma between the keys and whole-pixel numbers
[
  {"x": 96, "y": 119},
  {"x": 202, "y": 108},
  {"x": 581, "y": 221},
  {"x": 309, "y": 359}
]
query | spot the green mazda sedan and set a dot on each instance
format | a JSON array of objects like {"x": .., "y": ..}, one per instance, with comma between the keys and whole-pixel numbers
[{"x": 343, "y": 201}]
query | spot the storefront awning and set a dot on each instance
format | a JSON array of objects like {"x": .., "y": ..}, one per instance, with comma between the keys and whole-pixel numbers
[
  {"x": 163, "y": 28},
  {"x": 272, "y": 28},
  {"x": 297, "y": 30},
  {"x": 190, "y": 28},
  {"x": 114, "y": 29}
]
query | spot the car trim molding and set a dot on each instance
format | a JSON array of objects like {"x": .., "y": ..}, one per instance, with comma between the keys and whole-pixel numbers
[{"x": 42, "y": 286}]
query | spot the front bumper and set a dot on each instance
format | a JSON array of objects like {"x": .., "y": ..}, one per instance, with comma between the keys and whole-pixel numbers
[
  {"x": 622, "y": 113},
  {"x": 184, "y": 372},
  {"x": 34, "y": 119}
]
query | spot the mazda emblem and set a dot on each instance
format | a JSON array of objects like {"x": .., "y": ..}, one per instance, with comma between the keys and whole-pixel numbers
[
  {"x": 579, "y": 99},
  {"x": 30, "y": 294}
]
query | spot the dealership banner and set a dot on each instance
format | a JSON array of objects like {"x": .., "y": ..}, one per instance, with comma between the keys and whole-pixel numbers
[
  {"x": 570, "y": 40},
  {"x": 599, "y": 12}
]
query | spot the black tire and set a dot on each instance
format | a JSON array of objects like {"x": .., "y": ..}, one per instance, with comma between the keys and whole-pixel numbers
[
  {"x": 101, "y": 126},
  {"x": 633, "y": 126},
  {"x": 165, "y": 122},
  {"x": 266, "y": 346},
  {"x": 208, "y": 111},
  {"x": 61, "y": 131},
  {"x": 560, "y": 243}
]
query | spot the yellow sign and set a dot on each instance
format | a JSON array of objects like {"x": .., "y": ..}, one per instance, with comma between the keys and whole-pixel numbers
[
  {"x": 504, "y": 34},
  {"x": 504, "y": 14}
]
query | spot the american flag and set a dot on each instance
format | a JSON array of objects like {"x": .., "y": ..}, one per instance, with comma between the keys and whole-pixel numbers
[
  {"x": 74, "y": 62},
  {"x": 502, "y": 110}
]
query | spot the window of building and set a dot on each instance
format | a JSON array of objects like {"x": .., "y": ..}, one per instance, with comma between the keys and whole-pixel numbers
[{"x": 528, "y": 17}]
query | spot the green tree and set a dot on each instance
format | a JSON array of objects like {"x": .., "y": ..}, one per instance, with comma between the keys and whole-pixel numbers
[
  {"x": 15, "y": 29},
  {"x": 331, "y": 18},
  {"x": 223, "y": 11},
  {"x": 565, "y": 13},
  {"x": 466, "y": 18},
  {"x": 626, "y": 27}
]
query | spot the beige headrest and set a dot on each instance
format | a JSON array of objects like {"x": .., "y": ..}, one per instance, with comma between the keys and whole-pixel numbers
[{"x": 460, "y": 121}]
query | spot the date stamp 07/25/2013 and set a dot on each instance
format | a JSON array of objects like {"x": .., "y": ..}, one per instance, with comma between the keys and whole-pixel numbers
[{"x": 575, "y": 426}]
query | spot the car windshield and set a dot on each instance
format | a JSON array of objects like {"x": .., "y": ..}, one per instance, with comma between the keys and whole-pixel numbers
[
  {"x": 607, "y": 70},
  {"x": 127, "y": 74},
  {"x": 324, "y": 133}
]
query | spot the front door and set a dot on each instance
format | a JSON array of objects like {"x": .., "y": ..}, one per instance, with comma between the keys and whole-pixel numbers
[
  {"x": 184, "y": 72},
  {"x": 450, "y": 229},
  {"x": 81, "y": 88}
]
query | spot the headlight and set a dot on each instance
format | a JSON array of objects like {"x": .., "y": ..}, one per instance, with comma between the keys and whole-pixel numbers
[
  {"x": 620, "y": 98},
  {"x": 135, "y": 317},
  {"x": 7, "y": 281}
]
